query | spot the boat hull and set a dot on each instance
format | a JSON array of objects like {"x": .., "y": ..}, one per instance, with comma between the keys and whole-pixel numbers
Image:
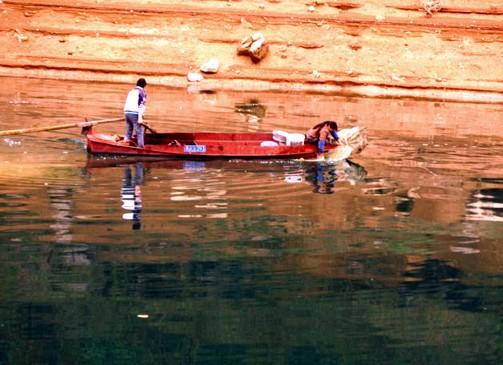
[{"x": 202, "y": 145}]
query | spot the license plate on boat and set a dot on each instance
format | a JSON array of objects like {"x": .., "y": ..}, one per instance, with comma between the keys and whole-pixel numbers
[{"x": 193, "y": 148}]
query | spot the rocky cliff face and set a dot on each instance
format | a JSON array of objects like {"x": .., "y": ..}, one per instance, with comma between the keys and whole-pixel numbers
[{"x": 446, "y": 49}]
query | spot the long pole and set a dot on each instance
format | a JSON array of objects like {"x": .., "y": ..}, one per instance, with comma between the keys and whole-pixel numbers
[{"x": 59, "y": 126}]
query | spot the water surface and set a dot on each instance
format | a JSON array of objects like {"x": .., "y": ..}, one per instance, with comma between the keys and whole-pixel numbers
[{"x": 392, "y": 257}]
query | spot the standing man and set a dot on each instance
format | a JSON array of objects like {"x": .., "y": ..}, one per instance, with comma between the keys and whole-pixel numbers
[{"x": 133, "y": 110}]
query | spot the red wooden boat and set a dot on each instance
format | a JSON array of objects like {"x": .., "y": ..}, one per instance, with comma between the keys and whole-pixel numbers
[{"x": 207, "y": 145}]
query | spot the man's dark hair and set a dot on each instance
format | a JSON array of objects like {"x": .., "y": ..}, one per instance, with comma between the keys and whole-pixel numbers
[
  {"x": 332, "y": 124},
  {"x": 141, "y": 82}
]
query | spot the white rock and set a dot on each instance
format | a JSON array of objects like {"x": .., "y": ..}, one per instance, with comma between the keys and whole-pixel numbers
[
  {"x": 256, "y": 45},
  {"x": 211, "y": 66},
  {"x": 257, "y": 36},
  {"x": 194, "y": 77}
]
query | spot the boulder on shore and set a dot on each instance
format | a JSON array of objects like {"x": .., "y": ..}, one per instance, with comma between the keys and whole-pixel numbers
[{"x": 254, "y": 46}]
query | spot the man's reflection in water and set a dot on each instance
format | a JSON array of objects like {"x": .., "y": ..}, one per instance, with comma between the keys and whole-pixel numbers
[
  {"x": 322, "y": 176},
  {"x": 131, "y": 194},
  {"x": 404, "y": 205},
  {"x": 486, "y": 204}
]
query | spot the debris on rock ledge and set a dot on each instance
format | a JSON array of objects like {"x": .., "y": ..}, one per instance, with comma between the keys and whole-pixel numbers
[
  {"x": 431, "y": 6},
  {"x": 254, "y": 46},
  {"x": 396, "y": 77},
  {"x": 20, "y": 36},
  {"x": 343, "y": 5}
]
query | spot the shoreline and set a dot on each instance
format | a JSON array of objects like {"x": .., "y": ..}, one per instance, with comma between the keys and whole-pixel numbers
[
  {"x": 389, "y": 49},
  {"x": 255, "y": 85}
]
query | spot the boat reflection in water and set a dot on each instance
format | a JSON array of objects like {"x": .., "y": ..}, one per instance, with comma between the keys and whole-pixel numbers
[
  {"x": 131, "y": 194},
  {"x": 186, "y": 180},
  {"x": 320, "y": 174}
]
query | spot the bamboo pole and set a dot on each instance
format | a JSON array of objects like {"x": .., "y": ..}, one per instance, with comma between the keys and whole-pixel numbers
[{"x": 12, "y": 132}]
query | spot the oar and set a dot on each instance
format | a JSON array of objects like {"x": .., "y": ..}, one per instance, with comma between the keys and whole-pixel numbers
[{"x": 59, "y": 126}]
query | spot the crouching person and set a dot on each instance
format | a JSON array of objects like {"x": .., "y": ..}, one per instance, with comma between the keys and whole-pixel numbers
[{"x": 321, "y": 134}]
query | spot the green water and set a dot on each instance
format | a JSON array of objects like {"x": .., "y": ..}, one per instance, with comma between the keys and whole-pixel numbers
[{"x": 394, "y": 257}]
